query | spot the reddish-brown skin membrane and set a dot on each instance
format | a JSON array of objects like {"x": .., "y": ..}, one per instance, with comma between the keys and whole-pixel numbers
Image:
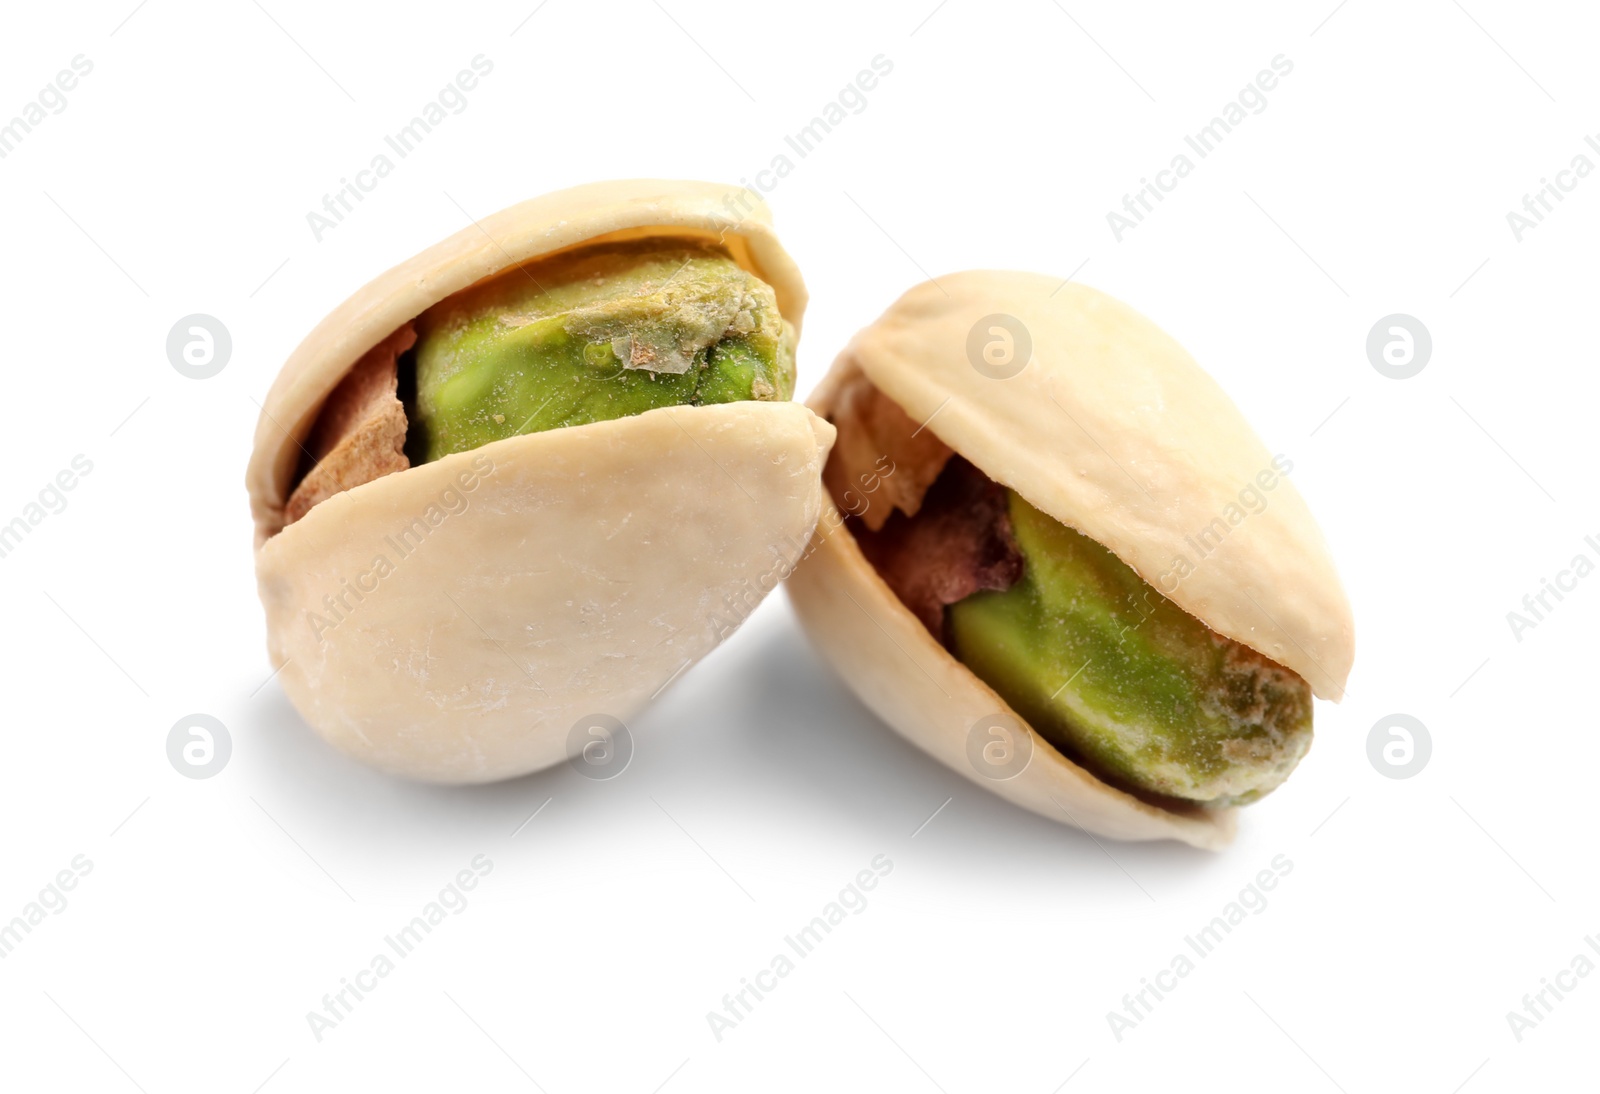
[
  {"x": 959, "y": 543},
  {"x": 360, "y": 433}
]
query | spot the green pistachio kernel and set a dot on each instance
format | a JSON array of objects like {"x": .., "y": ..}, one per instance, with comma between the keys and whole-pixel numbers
[
  {"x": 1122, "y": 679},
  {"x": 599, "y": 333}
]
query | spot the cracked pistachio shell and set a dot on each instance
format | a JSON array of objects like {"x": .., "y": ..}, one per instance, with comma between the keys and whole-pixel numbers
[
  {"x": 488, "y": 600},
  {"x": 1112, "y": 429}
]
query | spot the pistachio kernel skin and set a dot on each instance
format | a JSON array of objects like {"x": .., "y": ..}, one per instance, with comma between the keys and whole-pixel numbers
[
  {"x": 603, "y": 332},
  {"x": 1119, "y": 677}
]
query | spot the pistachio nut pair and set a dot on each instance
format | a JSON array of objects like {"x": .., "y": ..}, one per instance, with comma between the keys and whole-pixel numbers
[
  {"x": 1059, "y": 560},
  {"x": 514, "y": 483}
]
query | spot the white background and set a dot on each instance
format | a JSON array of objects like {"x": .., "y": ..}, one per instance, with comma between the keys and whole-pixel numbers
[{"x": 218, "y": 912}]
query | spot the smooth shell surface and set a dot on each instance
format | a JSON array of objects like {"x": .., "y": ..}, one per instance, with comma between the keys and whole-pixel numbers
[
  {"x": 1112, "y": 429},
  {"x": 451, "y": 621},
  {"x": 503, "y": 593}
]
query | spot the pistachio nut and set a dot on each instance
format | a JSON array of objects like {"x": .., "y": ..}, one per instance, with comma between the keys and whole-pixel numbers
[
  {"x": 512, "y": 483},
  {"x": 1072, "y": 574}
]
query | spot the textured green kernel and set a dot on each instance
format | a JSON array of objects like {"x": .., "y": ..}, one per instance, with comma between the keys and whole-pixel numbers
[
  {"x": 1122, "y": 679},
  {"x": 600, "y": 333}
]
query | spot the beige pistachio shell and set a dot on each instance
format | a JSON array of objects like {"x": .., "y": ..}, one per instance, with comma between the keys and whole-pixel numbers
[
  {"x": 493, "y": 598},
  {"x": 452, "y": 621},
  {"x": 1112, "y": 429}
]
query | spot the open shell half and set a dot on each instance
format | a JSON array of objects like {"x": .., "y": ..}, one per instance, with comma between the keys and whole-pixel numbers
[
  {"x": 1111, "y": 428},
  {"x": 451, "y": 621}
]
